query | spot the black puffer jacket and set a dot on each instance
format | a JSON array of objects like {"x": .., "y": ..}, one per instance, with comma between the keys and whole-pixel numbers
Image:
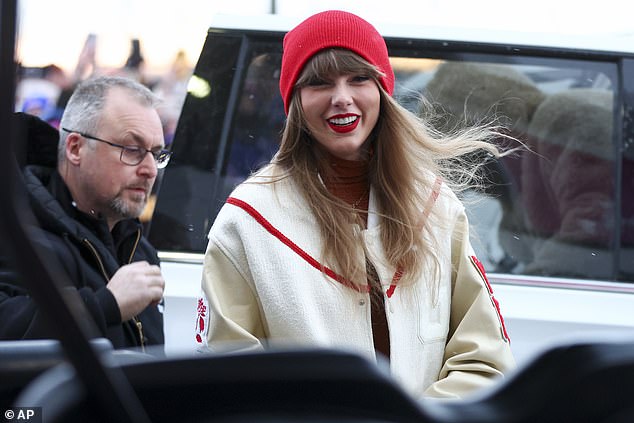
[{"x": 89, "y": 255}]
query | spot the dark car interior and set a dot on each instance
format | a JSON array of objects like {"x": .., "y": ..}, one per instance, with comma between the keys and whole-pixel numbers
[{"x": 76, "y": 379}]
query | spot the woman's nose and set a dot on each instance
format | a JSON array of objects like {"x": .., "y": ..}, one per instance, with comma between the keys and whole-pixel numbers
[{"x": 341, "y": 95}]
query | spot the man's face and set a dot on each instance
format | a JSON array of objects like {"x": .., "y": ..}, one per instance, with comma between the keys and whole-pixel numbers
[{"x": 108, "y": 186}]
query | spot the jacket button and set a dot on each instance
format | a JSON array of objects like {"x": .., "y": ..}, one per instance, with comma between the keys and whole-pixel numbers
[{"x": 361, "y": 302}]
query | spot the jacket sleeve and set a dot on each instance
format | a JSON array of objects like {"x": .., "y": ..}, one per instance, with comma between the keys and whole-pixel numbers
[
  {"x": 234, "y": 319},
  {"x": 18, "y": 313},
  {"x": 20, "y": 317},
  {"x": 478, "y": 348}
]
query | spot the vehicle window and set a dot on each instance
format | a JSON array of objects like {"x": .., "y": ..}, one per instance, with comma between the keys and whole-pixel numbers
[
  {"x": 259, "y": 120},
  {"x": 550, "y": 208}
]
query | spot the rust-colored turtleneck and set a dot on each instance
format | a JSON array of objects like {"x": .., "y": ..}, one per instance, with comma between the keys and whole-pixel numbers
[{"x": 348, "y": 181}]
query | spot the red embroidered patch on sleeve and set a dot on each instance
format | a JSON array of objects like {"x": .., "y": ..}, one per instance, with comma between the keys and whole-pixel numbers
[
  {"x": 480, "y": 268},
  {"x": 201, "y": 321}
]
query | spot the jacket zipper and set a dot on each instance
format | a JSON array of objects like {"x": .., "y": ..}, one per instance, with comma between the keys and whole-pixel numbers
[{"x": 137, "y": 322}]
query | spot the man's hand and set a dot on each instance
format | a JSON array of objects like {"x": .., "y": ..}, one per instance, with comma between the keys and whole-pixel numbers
[{"x": 135, "y": 286}]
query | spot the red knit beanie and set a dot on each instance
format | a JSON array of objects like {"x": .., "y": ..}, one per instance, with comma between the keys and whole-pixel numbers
[{"x": 333, "y": 28}]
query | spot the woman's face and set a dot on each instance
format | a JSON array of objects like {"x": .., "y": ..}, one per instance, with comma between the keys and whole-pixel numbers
[{"x": 341, "y": 112}]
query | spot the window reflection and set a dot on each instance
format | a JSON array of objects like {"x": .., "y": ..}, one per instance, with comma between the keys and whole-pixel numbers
[
  {"x": 551, "y": 210},
  {"x": 259, "y": 119},
  {"x": 569, "y": 186}
]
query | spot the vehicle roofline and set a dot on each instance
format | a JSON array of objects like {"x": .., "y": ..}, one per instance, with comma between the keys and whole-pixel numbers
[{"x": 619, "y": 42}]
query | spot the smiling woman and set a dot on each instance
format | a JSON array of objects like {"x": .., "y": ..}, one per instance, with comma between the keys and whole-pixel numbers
[
  {"x": 467, "y": 77},
  {"x": 351, "y": 237}
]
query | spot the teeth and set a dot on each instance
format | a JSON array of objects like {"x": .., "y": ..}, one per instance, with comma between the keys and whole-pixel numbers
[{"x": 343, "y": 121}]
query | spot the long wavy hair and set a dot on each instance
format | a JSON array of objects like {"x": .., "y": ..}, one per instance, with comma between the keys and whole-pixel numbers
[{"x": 408, "y": 155}]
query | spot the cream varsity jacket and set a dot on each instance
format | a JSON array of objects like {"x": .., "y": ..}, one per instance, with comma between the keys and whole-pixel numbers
[{"x": 262, "y": 283}]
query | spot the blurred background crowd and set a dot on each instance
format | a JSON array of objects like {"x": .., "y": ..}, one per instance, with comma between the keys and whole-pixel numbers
[
  {"x": 44, "y": 90},
  {"x": 58, "y": 41}
]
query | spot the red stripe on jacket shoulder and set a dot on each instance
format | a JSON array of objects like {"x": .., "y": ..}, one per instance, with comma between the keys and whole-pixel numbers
[{"x": 480, "y": 268}]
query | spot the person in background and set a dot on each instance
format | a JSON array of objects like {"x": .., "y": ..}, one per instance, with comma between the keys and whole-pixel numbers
[
  {"x": 38, "y": 91},
  {"x": 86, "y": 196},
  {"x": 135, "y": 65},
  {"x": 172, "y": 88},
  {"x": 352, "y": 236}
]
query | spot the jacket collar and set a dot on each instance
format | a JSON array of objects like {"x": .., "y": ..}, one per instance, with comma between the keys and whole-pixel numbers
[{"x": 54, "y": 208}]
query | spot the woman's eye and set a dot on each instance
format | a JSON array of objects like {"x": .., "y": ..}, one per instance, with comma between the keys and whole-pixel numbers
[
  {"x": 360, "y": 78},
  {"x": 316, "y": 82}
]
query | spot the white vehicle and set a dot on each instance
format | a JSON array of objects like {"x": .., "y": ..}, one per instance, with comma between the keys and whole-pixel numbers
[{"x": 555, "y": 229}]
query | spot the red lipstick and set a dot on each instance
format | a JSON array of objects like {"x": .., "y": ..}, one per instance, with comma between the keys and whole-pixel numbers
[{"x": 344, "y": 123}]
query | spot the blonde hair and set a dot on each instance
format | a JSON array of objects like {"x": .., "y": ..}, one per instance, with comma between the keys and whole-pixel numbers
[{"x": 407, "y": 156}]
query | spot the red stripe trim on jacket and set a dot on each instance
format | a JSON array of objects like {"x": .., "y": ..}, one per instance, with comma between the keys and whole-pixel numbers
[
  {"x": 290, "y": 244},
  {"x": 480, "y": 268}
]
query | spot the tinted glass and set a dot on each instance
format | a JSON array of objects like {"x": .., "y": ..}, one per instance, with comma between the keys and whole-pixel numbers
[
  {"x": 551, "y": 208},
  {"x": 259, "y": 119}
]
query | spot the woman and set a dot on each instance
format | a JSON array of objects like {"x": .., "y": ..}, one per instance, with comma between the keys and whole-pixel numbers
[{"x": 350, "y": 238}]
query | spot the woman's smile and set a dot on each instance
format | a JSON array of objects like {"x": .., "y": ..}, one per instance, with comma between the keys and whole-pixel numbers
[{"x": 344, "y": 123}]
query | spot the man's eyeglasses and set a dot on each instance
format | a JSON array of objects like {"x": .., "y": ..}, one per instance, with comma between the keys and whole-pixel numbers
[{"x": 132, "y": 155}]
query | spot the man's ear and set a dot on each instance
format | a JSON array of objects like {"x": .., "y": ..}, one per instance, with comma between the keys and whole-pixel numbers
[{"x": 74, "y": 144}]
